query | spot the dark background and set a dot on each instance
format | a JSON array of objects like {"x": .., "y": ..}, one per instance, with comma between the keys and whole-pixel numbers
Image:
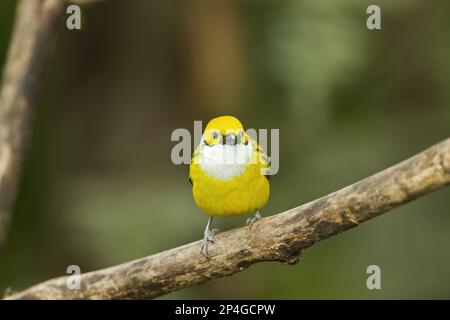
[{"x": 99, "y": 187}]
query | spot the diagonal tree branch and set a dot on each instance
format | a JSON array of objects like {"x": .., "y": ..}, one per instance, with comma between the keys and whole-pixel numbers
[
  {"x": 281, "y": 237},
  {"x": 34, "y": 32}
]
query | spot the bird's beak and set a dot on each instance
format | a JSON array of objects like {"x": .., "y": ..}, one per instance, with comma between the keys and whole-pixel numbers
[{"x": 230, "y": 139}]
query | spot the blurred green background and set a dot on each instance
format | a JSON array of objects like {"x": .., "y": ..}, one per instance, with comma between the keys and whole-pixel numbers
[{"x": 99, "y": 187}]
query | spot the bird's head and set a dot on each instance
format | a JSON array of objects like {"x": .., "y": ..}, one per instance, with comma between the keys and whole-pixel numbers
[{"x": 224, "y": 130}]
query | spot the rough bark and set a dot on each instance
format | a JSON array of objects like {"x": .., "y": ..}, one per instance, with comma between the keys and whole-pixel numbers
[
  {"x": 33, "y": 35},
  {"x": 281, "y": 237}
]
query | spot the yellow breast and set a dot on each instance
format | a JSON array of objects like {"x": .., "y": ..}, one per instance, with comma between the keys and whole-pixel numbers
[{"x": 242, "y": 194}]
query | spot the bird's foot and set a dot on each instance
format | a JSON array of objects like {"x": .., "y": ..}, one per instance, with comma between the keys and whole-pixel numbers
[
  {"x": 209, "y": 235},
  {"x": 252, "y": 220}
]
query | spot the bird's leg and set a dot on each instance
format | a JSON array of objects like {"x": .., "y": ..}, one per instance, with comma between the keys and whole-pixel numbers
[
  {"x": 252, "y": 220},
  {"x": 208, "y": 236}
]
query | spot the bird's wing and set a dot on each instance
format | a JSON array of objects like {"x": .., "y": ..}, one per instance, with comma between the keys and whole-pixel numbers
[
  {"x": 261, "y": 158},
  {"x": 193, "y": 160}
]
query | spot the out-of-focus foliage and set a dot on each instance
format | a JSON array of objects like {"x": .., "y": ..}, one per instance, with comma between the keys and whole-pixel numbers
[{"x": 99, "y": 187}]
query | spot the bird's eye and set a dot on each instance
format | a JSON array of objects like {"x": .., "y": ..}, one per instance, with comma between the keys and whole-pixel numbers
[{"x": 215, "y": 134}]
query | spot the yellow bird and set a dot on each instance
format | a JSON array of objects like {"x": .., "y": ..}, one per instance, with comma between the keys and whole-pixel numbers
[{"x": 228, "y": 173}]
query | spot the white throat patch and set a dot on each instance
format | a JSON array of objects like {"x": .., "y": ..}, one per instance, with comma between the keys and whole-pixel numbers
[{"x": 225, "y": 162}]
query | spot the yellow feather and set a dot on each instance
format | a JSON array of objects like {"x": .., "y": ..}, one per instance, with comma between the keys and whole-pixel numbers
[{"x": 242, "y": 194}]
